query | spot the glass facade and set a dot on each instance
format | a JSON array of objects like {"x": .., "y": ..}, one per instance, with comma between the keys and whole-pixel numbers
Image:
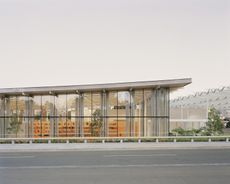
[{"x": 106, "y": 113}]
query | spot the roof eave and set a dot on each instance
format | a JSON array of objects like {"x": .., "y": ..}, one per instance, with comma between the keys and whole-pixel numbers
[{"x": 173, "y": 83}]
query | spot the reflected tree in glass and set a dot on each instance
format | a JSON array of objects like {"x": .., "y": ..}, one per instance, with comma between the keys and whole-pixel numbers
[
  {"x": 96, "y": 123},
  {"x": 14, "y": 125}
]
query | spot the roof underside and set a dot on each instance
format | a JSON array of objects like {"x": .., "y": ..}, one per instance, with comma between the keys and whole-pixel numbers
[{"x": 172, "y": 84}]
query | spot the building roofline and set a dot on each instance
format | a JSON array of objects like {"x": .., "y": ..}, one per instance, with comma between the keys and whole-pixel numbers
[{"x": 171, "y": 83}]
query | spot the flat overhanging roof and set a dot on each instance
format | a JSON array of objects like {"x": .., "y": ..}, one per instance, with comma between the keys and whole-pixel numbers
[{"x": 46, "y": 90}]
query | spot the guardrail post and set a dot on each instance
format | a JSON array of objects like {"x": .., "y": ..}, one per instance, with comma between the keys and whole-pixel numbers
[
  {"x": 227, "y": 139},
  {"x": 103, "y": 141},
  {"x": 192, "y": 140},
  {"x": 12, "y": 142},
  {"x": 49, "y": 141},
  {"x": 209, "y": 140},
  {"x": 174, "y": 140},
  {"x": 67, "y": 141},
  {"x": 121, "y": 141},
  {"x": 139, "y": 140},
  {"x": 85, "y": 141},
  {"x": 31, "y": 142},
  {"x": 157, "y": 140}
]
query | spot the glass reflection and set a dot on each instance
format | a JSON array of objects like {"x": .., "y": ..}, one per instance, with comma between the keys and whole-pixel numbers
[
  {"x": 48, "y": 106},
  {"x": 163, "y": 122},
  {"x": 87, "y": 104},
  {"x": 21, "y": 106},
  {"x": 62, "y": 127},
  {"x": 60, "y": 105},
  {"x": 2, "y": 127},
  {"x": 72, "y": 108},
  {"x": 37, "y": 101},
  {"x": 149, "y": 103},
  {"x": 123, "y": 106},
  {"x": 96, "y": 101},
  {"x": 139, "y": 103},
  {"x": 112, "y": 104},
  {"x": 14, "y": 127},
  {"x": 137, "y": 127},
  {"x": 86, "y": 127},
  {"x": 123, "y": 128},
  {"x": 37, "y": 126},
  {"x": 112, "y": 127},
  {"x": 11, "y": 106}
]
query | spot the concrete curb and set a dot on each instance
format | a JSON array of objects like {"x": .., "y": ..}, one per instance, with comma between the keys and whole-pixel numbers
[{"x": 110, "y": 146}]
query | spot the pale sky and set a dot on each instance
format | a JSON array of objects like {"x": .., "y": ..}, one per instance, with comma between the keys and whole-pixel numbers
[{"x": 65, "y": 42}]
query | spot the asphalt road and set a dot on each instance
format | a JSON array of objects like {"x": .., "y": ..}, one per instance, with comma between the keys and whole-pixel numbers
[{"x": 124, "y": 167}]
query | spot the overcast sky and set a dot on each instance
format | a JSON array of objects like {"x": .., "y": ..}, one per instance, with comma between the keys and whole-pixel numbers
[{"x": 62, "y": 42}]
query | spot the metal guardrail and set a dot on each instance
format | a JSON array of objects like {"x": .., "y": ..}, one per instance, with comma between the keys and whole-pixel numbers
[{"x": 156, "y": 139}]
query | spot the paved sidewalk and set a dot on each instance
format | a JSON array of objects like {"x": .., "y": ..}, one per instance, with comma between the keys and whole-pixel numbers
[{"x": 111, "y": 146}]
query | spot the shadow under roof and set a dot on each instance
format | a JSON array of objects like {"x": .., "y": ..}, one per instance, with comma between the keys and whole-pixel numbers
[{"x": 172, "y": 84}]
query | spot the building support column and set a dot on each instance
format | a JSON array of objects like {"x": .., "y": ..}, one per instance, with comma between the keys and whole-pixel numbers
[
  {"x": 6, "y": 120},
  {"x": 104, "y": 113},
  {"x": 2, "y": 110},
  {"x": 132, "y": 106},
  {"x": 156, "y": 111},
  {"x": 81, "y": 115}
]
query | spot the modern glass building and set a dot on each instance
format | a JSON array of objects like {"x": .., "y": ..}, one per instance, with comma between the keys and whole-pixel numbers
[{"x": 131, "y": 109}]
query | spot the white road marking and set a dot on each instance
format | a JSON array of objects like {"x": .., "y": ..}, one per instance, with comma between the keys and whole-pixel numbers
[
  {"x": 116, "y": 166},
  {"x": 17, "y": 156},
  {"x": 152, "y": 155}
]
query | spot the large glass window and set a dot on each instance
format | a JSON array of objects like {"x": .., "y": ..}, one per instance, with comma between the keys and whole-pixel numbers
[
  {"x": 60, "y": 105},
  {"x": 15, "y": 127},
  {"x": 87, "y": 127},
  {"x": 124, "y": 105},
  {"x": 112, "y": 104},
  {"x": 87, "y": 105},
  {"x": 123, "y": 126},
  {"x": 124, "y": 112},
  {"x": 37, "y": 125},
  {"x": 96, "y": 102},
  {"x": 2, "y": 106},
  {"x": 29, "y": 106},
  {"x": 138, "y": 101},
  {"x": 11, "y": 106},
  {"x": 72, "y": 104},
  {"x": 47, "y": 106},
  {"x": 30, "y": 126},
  {"x": 147, "y": 102},
  {"x": 96, "y": 125},
  {"x": 48, "y": 110},
  {"x": 112, "y": 127},
  {"x": 163, "y": 126},
  {"x": 24, "y": 128},
  {"x": 62, "y": 126},
  {"x": 150, "y": 127},
  {"x": 60, "y": 113},
  {"x": 72, "y": 109},
  {"x": 37, "y": 102},
  {"x": 21, "y": 106},
  {"x": 45, "y": 127},
  {"x": 71, "y": 126},
  {"x": 87, "y": 99},
  {"x": 162, "y": 102},
  {"x": 58, "y": 124},
  {"x": 2, "y": 127},
  {"x": 137, "y": 129}
]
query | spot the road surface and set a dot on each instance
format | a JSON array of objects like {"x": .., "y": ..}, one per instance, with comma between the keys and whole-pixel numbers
[{"x": 193, "y": 166}]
